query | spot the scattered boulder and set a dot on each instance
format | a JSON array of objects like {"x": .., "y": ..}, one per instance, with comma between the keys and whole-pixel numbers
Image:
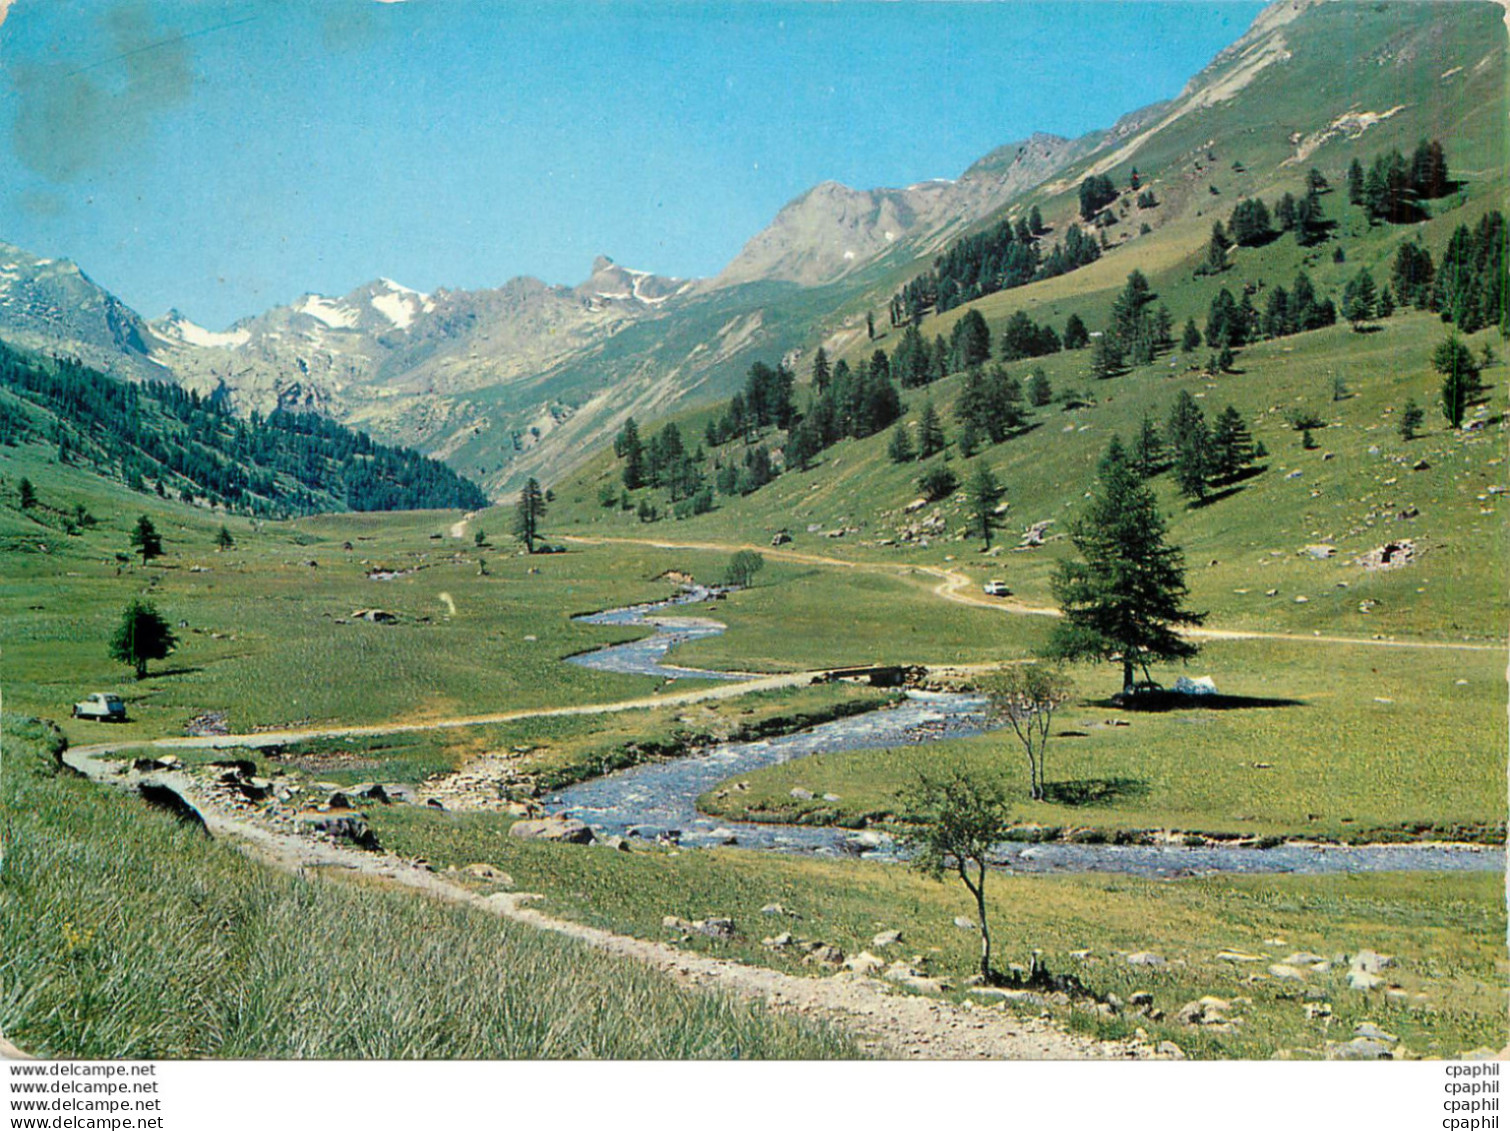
[
  {"x": 155, "y": 763},
  {"x": 1370, "y": 962},
  {"x": 254, "y": 789},
  {"x": 1286, "y": 973},
  {"x": 1372, "y": 1032},
  {"x": 886, "y": 938},
  {"x": 778, "y": 942},
  {"x": 1363, "y": 980},
  {"x": 905, "y": 975},
  {"x": 716, "y": 928},
  {"x": 345, "y": 825},
  {"x": 1359, "y": 1048},
  {"x": 489, "y": 873},
  {"x": 864, "y": 963},
  {"x": 800, "y": 794},
  {"x": 1170, "y": 1051},
  {"x": 207, "y": 724},
  {"x": 823, "y": 954},
  {"x": 1206, "y": 1011},
  {"x": 1145, "y": 958},
  {"x": 563, "y": 830},
  {"x": 1391, "y": 555},
  {"x": 964, "y": 923}
]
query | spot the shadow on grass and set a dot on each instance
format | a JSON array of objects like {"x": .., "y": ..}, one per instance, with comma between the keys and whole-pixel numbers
[
  {"x": 173, "y": 671},
  {"x": 1157, "y": 701},
  {"x": 1094, "y": 791},
  {"x": 1216, "y": 496}
]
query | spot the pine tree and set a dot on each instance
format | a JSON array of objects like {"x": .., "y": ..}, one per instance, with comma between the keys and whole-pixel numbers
[
  {"x": 1123, "y": 599},
  {"x": 146, "y": 540},
  {"x": 931, "y": 438},
  {"x": 967, "y": 439},
  {"x": 142, "y": 635},
  {"x": 1231, "y": 445},
  {"x": 972, "y": 341},
  {"x": 899, "y": 447},
  {"x": 1147, "y": 458},
  {"x": 1355, "y": 182},
  {"x": 1193, "y": 460},
  {"x": 801, "y": 446},
  {"x": 984, "y": 495},
  {"x": 821, "y": 373},
  {"x": 1455, "y": 363},
  {"x": 1040, "y": 390},
  {"x": 1190, "y": 340},
  {"x": 1411, "y": 418},
  {"x": 1359, "y": 297},
  {"x": 528, "y": 512},
  {"x": 633, "y": 453},
  {"x": 26, "y": 494},
  {"x": 1107, "y": 358},
  {"x": 1075, "y": 334},
  {"x": 224, "y": 540}
]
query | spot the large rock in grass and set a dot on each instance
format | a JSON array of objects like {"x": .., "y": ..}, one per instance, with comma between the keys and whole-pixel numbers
[
  {"x": 565, "y": 830},
  {"x": 341, "y": 825}
]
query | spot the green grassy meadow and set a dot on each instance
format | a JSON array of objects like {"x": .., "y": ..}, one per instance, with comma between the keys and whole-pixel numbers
[
  {"x": 1446, "y": 931},
  {"x": 125, "y": 934},
  {"x": 1358, "y": 744}
]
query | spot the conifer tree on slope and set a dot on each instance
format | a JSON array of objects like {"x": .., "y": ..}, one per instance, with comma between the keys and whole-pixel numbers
[{"x": 1123, "y": 597}]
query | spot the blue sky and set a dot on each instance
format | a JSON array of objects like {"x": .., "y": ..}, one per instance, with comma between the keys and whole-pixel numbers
[{"x": 223, "y": 156}]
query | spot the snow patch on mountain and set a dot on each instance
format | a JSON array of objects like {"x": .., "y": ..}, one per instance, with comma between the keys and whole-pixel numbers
[
  {"x": 336, "y": 315},
  {"x": 397, "y": 308},
  {"x": 178, "y": 328}
]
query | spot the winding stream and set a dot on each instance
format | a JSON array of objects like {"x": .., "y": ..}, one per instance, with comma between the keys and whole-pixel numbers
[{"x": 660, "y": 798}]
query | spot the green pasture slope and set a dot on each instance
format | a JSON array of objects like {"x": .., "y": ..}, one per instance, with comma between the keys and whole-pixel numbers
[{"x": 126, "y": 934}]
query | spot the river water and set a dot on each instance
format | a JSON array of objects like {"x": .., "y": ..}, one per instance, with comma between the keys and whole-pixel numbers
[{"x": 660, "y": 798}]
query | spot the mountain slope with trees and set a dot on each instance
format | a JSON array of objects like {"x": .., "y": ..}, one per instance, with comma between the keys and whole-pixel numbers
[{"x": 157, "y": 436}]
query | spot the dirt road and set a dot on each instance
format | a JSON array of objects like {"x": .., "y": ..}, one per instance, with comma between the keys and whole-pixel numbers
[{"x": 960, "y": 588}]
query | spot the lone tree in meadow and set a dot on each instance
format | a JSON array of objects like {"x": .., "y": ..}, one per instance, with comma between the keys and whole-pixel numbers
[
  {"x": 26, "y": 494},
  {"x": 1412, "y": 416},
  {"x": 959, "y": 821},
  {"x": 224, "y": 539},
  {"x": 1025, "y": 696},
  {"x": 142, "y": 635},
  {"x": 985, "y": 492},
  {"x": 146, "y": 540},
  {"x": 528, "y": 512},
  {"x": 1123, "y": 598},
  {"x": 743, "y": 567}
]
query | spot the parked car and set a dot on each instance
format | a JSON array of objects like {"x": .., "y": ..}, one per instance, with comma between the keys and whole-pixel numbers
[
  {"x": 996, "y": 589},
  {"x": 102, "y": 706}
]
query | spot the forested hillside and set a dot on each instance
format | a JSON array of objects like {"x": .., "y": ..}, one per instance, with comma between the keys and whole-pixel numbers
[{"x": 157, "y": 436}]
